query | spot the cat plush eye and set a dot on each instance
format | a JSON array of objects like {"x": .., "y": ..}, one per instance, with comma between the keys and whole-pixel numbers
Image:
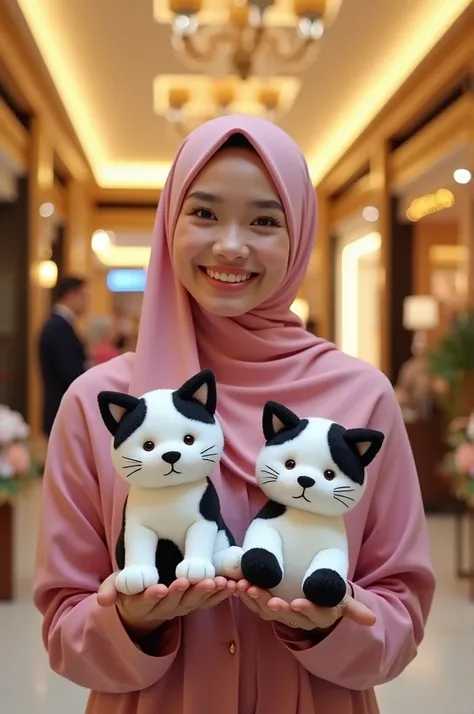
[
  {"x": 290, "y": 464},
  {"x": 329, "y": 474},
  {"x": 189, "y": 440},
  {"x": 148, "y": 446}
]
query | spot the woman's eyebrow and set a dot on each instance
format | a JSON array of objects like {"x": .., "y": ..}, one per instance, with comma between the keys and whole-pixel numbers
[
  {"x": 205, "y": 196},
  {"x": 269, "y": 203}
]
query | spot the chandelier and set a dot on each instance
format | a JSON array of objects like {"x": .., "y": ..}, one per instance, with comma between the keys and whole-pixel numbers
[
  {"x": 247, "y": 37},
  {"x": 188, "y": 100}
]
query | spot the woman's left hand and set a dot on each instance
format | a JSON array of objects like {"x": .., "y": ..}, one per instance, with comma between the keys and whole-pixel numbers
[{"x": 301, "y": 613}]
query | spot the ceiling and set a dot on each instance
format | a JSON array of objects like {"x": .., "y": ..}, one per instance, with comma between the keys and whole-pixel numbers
[{"x": 104, "y": 57}]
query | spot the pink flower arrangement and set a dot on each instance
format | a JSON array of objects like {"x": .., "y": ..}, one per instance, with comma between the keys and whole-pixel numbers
[
  {"x": 464, "y": 459},
  {"x": 14, "y": 455}
]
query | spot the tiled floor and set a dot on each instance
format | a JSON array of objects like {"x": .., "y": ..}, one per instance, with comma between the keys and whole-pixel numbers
[{"x": 440, "y": 680}]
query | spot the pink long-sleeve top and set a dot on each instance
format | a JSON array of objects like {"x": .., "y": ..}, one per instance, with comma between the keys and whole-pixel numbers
[{"x": 227, "y": 659}]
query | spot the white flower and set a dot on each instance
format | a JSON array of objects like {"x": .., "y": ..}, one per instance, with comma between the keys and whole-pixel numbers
[
  {"x": 12, "y": 426},
  {"x": 6, "y": 470}
]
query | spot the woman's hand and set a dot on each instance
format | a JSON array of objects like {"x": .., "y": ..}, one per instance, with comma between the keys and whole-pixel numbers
[
  {"x": 145, "y": 612},
  {"x": 301, "y": 613}
]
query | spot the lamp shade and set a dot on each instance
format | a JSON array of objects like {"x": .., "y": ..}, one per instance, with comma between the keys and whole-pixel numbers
[{"x": 420, "y": 312}]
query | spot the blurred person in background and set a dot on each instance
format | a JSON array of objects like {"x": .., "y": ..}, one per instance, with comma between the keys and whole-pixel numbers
[
  {"x": 101, "y": 340},
  {"x": 62, "y": 355}
]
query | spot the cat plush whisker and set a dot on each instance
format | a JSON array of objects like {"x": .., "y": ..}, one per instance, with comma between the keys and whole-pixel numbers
[
  {"x": 269, "y": 480},
  {"x": 343, "y": 496},
  {"x": 210, "y": 461},
  {"x": 129, "y": 458},
  {"x": 270, "y": 468},
  {"x": 132, "y": 466},
  {"x": 343, "y": 502},
  {"x": 208, "y": 449},
  {"x": 343, "y": 488},
  {"x": 205, "y": 456},
  {"x": 131, "y": 473},
  {"x": 270, "y": 473}
]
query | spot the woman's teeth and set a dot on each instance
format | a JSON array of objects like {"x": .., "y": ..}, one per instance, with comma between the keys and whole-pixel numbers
[{"x": 229, "y": 277}]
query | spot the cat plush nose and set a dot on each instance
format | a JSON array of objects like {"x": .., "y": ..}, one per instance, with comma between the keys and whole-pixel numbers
[
  {"x": 171, "y": 457},
  {"x": 306, "y": 481}
]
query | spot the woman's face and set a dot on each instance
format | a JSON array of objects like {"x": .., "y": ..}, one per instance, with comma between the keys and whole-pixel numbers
[{"x": 231, "y": 243}]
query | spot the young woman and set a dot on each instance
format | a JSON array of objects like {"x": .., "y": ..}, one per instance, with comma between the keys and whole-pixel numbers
[{"x": 238, "y": 202}]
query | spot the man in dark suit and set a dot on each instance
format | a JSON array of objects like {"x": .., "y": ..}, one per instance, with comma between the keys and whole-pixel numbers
[{"x": 62, "y": 355}]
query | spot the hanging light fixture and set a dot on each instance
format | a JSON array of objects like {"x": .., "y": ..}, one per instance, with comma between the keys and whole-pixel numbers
[{"x": 248, "y": 37}]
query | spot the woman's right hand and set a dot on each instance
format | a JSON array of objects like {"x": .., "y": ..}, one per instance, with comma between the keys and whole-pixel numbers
[{"x": 145, "y": 612}]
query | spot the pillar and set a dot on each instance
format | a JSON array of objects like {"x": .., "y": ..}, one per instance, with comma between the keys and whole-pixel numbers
[
  {"x": 396, "y": 268},
  {"x": 41, "y": 180},
  {"x": 77, "y": 247}
]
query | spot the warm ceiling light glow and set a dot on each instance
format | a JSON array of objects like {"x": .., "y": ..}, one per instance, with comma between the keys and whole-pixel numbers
[
  {"x": 371, "y": 214},
  {"x": 462, "y": 175},
  {"x": 47, "y": 274},
  {"x": 101, "y": 241},
  {"x": 125, "y": 256},
  {"x": 46, "y": 210},
  {"x": 381, "y": 82},
  {"x": 375, "y": 88},
  {"x": 351, "y": 254},
  {"x": 430, "y": 203}
]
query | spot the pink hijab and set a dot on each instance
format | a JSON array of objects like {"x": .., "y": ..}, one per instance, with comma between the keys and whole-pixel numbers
[{"x": 264, "y": 354}]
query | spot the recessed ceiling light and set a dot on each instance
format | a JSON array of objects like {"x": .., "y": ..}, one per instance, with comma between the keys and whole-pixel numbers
[
  {"x": 46, "y": 210},
  {"x": 462, "y": 175},
  {"x": 370, "y": 213}
]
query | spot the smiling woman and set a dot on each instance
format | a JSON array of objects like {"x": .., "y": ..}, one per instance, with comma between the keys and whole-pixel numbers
[{"x": 231, "y": 243}]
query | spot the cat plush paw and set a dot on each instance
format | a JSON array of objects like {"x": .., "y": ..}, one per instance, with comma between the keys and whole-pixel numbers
[
  {"x": 195, "y": 569},
  {"x": 135, "y": 579},
  {"x": 261, "y": 568},
  {"x": 227, "y": 563},
  {"x": 325, "y": 588}
]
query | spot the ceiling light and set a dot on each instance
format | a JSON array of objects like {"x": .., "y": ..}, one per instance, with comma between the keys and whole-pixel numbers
[
  {"x": 371, "y": 214},
  {"x": 245, "y": 35},
  {"x": 101, "y": 241},
  {"x": 47, "y": 274},
  {"x": 462, "y": 175},
  {"x": 46, "y": 210}
]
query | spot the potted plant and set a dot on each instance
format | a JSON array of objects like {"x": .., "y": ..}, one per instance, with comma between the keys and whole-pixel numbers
[{"x": 451, "y": 363}]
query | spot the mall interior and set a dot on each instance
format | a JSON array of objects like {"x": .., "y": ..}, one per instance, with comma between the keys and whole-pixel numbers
[{"x": 95, "y": 99}]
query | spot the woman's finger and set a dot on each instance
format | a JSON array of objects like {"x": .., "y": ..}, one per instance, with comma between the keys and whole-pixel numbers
[
  {"x": 107, "y": 594},
  {"x": 359, "y": 613},
  {"x": 198, "y": 594},
  {"x": 255, "y": 607},
  {"x": 216, "y": 598}
]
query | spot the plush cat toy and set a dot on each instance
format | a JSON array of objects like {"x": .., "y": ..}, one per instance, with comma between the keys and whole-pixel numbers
[
  {"x": 165, "y": 444},
  {"x": 313, "y": 471}
]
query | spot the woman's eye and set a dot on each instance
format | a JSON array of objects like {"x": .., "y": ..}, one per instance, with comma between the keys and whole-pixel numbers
[
  {"x": 329, "y": 474},
  {"x": 290, "y": 464},
  {"x": 266, "y": 221},
  {"x": 204, "y": 213},
  {"x": 189, "y": 440},
  {"x": 148, "y": 446}
]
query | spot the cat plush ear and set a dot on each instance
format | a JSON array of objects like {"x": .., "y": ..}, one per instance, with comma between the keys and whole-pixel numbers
[
  {"x": 368, "y": 443},
  {"x": 202, "y": 388},
  {"x": 113, "y": 405},
  {"x": 277, "y": 417}
]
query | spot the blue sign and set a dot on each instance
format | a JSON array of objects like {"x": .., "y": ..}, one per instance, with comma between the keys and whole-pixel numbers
[{"x": 126, "y": 280}]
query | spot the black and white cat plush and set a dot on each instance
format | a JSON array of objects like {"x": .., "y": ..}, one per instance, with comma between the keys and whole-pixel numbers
[
  {"x": 165, "y": 445},
  {"x": 313, "y": 471}
]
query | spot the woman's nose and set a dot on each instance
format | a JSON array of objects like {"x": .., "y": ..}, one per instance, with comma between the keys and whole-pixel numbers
[{"x": 231, "y": 245}]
